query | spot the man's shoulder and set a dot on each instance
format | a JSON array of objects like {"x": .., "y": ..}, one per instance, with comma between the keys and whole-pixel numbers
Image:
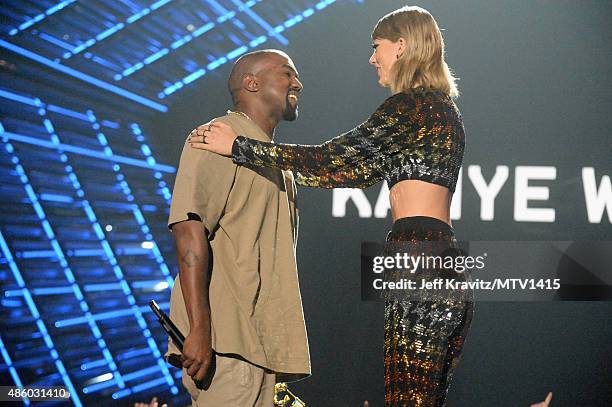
[
  {"x": 227, "y": 118},
  {"x": 244, "y": 126},
  {"x": 231, "y": 120},
  {"x": 202, "y": 158}
]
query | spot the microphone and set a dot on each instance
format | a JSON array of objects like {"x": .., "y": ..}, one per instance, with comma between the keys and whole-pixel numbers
[{"x": 179, "y": 339}]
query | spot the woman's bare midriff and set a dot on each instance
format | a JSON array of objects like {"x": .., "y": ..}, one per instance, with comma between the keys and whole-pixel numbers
[{"x": 420, "y": 198}]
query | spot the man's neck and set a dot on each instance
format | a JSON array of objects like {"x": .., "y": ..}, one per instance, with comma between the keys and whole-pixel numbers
[{"x": 260, "y": 116}]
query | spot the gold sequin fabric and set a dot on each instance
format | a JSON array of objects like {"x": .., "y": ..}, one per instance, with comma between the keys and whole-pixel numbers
[
  {"x": 424, "y": 337},
  {"x": 417, "y": 134}
]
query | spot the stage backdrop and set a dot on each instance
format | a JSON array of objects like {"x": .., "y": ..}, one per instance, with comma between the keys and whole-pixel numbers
[{"x": 97, "y": 98}]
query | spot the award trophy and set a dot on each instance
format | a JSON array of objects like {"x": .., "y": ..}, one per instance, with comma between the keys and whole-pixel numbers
[{"x": 289, "y": 399}]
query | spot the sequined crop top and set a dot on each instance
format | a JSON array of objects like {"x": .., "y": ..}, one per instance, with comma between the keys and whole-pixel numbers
[{"x": 416, "y": 135}]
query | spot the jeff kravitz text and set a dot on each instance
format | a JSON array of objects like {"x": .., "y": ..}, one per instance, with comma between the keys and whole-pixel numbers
[{"x": 477, "y": 284}]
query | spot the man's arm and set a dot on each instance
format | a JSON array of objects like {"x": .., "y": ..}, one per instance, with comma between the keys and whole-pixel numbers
[
  {"x": 193, "y": 252},
  {"x": 201, "y": 192}
]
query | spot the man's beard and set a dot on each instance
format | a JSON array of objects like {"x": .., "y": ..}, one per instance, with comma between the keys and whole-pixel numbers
[{"x": 290, "y": 113}]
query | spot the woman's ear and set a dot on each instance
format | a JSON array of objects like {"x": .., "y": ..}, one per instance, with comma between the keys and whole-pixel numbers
[{"x": 401, "y": 47}]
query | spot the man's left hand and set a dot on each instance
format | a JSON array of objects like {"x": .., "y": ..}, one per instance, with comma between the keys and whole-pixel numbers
[{"x": 216, "y": 137}]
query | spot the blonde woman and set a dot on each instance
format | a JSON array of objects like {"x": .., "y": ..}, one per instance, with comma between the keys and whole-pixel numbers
[{"x": 415, "y": 141}]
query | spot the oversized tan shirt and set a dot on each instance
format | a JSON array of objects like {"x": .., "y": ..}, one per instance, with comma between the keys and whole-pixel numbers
[{"x": 251, "y": 214}]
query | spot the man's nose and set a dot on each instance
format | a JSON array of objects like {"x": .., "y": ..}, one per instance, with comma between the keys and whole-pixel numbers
[{"x": 298, "y": 85}]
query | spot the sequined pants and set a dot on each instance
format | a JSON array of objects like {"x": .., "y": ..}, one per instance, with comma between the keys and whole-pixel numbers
[{"x": 424, "y": 334}]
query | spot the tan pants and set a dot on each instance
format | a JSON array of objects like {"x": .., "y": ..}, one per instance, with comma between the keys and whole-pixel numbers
[{"x": 236, "y": 383}]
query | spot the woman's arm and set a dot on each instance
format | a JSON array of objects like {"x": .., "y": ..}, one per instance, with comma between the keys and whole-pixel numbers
[
  {"x": 386, "y": 131},
  {"x": 361, "y": 175}
]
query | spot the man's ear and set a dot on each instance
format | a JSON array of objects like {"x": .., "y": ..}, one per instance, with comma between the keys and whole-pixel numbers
[{"x": 250, "y": 83}]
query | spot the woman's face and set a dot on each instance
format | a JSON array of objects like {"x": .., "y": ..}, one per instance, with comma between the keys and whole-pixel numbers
[{"x": 384, "y": 56}]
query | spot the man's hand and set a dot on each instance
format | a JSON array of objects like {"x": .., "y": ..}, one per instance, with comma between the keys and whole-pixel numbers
[
  {"x": 216, "y": 137},
  {"x": 197, "y": 352}
]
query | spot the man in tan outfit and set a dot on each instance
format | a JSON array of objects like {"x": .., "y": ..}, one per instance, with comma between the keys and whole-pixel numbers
[{"x": 237, "y": 296}]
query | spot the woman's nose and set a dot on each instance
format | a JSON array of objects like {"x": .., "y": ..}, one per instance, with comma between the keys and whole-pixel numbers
[{"x": 372, "y": 58}]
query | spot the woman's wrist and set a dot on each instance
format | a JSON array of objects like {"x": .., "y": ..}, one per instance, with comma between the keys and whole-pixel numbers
[{"x": 236, "y": 152}]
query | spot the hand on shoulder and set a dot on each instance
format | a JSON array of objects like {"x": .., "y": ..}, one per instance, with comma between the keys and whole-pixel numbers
[{"x": 215, "y": 136}]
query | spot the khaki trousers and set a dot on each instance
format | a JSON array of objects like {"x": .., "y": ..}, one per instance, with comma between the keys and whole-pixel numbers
[{"x": 236, "y": 383}]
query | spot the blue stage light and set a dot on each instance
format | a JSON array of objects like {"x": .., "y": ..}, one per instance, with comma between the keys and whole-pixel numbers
[
  {"x": 84, "y": 77},
  {"x": 40, "y": 17},
  {"x": 272, "y": 31},
  {"x": 39, "y": 323}
]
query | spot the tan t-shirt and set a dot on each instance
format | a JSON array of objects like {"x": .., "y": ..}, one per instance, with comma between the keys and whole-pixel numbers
[{"x": 251, "y": 214}]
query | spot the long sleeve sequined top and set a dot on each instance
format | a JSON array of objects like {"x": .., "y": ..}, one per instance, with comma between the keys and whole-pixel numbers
[{"x": 413, "y": 135}]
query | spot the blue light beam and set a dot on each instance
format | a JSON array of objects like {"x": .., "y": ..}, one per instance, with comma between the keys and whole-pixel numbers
[{"x": 84, "y": 77}]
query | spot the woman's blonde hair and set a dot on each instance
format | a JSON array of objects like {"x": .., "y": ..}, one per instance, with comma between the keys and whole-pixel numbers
[{"x": 422, "y": 63}]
